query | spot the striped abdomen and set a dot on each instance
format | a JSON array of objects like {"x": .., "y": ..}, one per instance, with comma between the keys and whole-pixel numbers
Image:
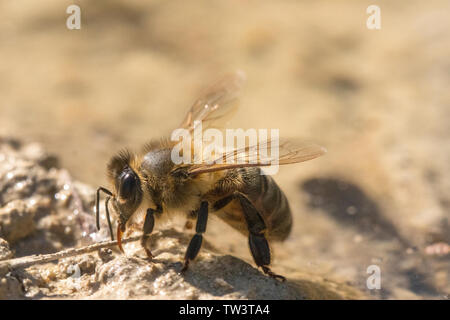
[{"x": 264, "y": 194}]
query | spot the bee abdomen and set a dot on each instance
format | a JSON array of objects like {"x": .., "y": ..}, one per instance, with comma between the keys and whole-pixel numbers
[
  {"x": 270, "y": 201},
  {"x": 275, "y": 209},
  {"x": 264, "y": 194}
]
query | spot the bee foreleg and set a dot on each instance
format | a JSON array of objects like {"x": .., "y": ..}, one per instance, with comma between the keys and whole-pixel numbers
[
  {"x": 149, "y": 223},
  {"x": 196, "y": 241},
  {"x": 259, "y": 247}
]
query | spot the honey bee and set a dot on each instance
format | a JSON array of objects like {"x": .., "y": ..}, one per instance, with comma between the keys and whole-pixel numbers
[{"x": 238, "y": 193}]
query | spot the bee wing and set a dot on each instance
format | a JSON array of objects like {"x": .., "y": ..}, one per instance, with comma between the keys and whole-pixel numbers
[
  {"x": 267, "y": 153},
  {"x": 216, "y": 102}
]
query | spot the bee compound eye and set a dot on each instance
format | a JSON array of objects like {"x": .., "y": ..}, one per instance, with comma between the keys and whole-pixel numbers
[{"x": 128, "y": 183}]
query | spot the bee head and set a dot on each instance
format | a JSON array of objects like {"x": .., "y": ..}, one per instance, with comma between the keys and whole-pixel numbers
[{"x": 127, "y": 186}]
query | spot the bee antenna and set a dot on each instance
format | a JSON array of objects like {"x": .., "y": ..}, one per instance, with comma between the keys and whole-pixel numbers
[
  {"x": 107, "y": 217},
  {"x": 97, "y": 204}
]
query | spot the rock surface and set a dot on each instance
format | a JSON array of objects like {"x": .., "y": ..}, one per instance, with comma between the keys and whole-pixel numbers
[{"x": 5, "y": 252}]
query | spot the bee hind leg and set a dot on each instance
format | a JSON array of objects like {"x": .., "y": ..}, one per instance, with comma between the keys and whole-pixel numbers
[
  {"x": 261, "y": 254},
  {"x": 196, "y": 241},
  {"x": 259, "y": 246},
  {"x": 149, "y": 223}
]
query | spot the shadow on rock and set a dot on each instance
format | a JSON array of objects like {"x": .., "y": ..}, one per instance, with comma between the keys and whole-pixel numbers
[{"x": 350, "y": 206}]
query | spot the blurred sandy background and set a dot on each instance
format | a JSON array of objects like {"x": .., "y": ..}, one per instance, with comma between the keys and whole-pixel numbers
[{"x": 378, "y": 100}]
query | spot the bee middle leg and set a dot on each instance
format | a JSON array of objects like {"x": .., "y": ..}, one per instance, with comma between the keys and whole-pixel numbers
[
  {"x": 196, "y": 241},
  {"x": 259, "y": 247},
  {"x": 149, "y": 223}
]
